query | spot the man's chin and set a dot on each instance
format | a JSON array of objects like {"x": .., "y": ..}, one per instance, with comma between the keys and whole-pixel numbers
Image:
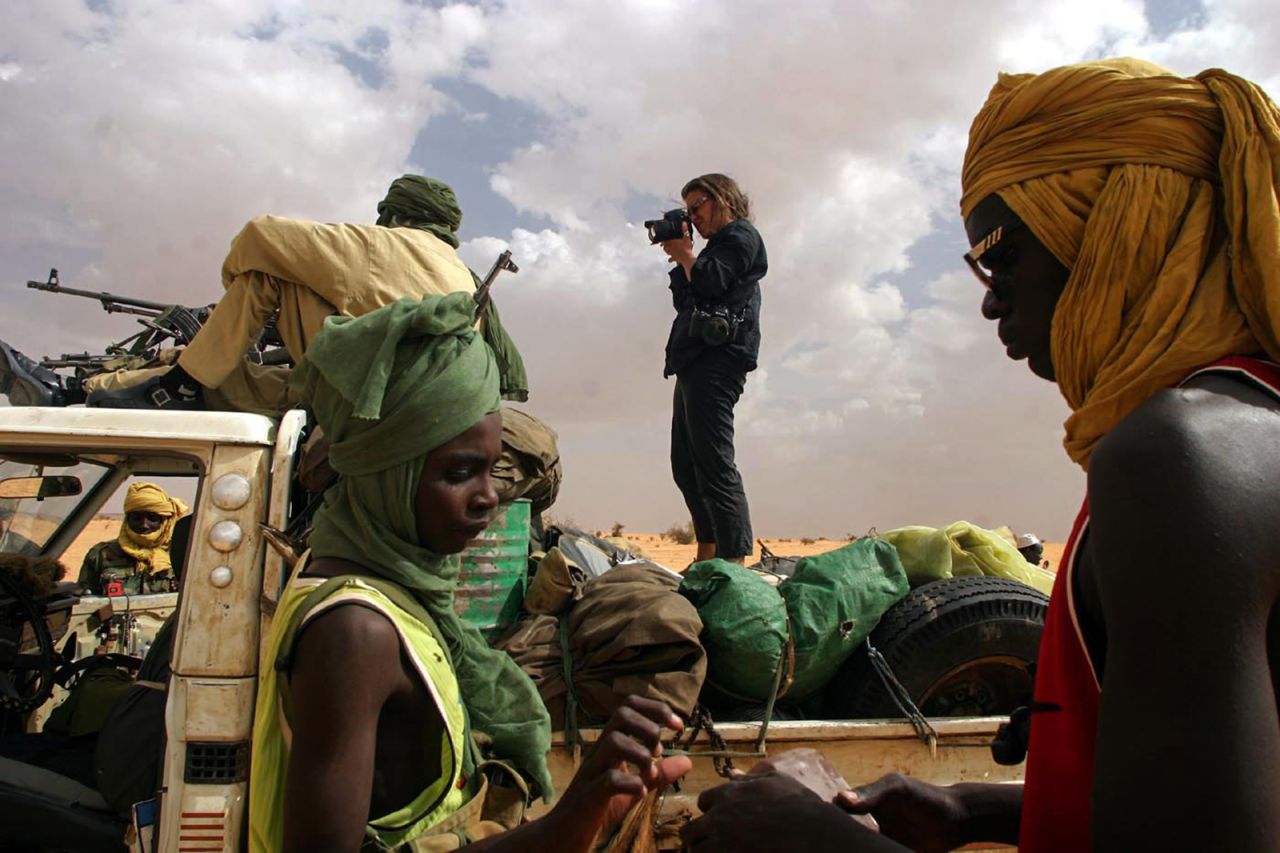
[{"x": 1042, "y": 368}]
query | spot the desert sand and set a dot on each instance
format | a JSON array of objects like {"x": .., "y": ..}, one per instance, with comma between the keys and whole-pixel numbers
[
  {"x": 102, "y": 528},
  {"x": 677, "y": 556},
  {"x": 655, "y": 546}
]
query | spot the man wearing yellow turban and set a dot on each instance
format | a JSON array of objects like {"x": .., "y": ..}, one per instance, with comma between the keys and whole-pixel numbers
[
  {"x": 1125, "y": 222},
  {"x": 137, "y": 561}
]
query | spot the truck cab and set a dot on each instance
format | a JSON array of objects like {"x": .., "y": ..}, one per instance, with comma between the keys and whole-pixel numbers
[
  {"x": 240, "y": 467},
  {"x": 241, "y": 472}
]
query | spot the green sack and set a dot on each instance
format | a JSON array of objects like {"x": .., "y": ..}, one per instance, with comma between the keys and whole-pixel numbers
[
  {"x": 744, "y": 627},
  {"x": 834, "y": 601}
]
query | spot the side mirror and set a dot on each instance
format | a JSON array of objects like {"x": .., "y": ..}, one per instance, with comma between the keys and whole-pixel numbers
[{"x": 52, "y": 486}]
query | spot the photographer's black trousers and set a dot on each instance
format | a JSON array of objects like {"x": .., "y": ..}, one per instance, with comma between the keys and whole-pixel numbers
[{"x": 702, "y": 452}]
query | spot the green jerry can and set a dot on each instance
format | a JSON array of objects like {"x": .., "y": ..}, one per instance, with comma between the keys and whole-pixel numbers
[{"x": 492, "y": 582}]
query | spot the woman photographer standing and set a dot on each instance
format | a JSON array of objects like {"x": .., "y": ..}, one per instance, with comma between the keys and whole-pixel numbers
[{"x": 713, "y": 345}]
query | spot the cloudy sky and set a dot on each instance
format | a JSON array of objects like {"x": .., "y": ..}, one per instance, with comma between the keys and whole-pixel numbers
[{"x": 137, "y": 137}]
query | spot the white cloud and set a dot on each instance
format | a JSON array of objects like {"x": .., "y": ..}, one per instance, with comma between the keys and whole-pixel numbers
[
  {"x": 152, "y": 131},
  {"x": 137, "y": 141}
]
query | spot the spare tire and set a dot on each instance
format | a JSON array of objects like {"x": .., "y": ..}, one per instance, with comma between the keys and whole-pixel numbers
[{"x": 962, "y": 647}]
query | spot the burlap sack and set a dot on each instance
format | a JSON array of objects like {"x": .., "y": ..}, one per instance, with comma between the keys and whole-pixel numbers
[
  {"x": 530, "y": 463},
  {"x": 630, "y": 634}
]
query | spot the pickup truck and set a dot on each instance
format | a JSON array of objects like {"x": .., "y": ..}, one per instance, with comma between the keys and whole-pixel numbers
[{"x": 241, "y": 471}]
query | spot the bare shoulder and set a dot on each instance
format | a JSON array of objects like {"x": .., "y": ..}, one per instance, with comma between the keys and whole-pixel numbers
[
  {"x": 348, "y": 643},
  {"x": 1213, "y": 422},
  {"x": 1186, "y": 572},
  {"x": 1184, "y": 489}
]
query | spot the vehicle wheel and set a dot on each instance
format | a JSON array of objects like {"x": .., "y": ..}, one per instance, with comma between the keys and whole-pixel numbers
[
  {"x": 26, "y": 680},
  {"x": 961, "y": 647}
]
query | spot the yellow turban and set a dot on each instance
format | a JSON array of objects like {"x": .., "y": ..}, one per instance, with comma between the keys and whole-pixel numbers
[
  {"x": 150, "y": 551},
  {"x": 1159, "y": 194}
]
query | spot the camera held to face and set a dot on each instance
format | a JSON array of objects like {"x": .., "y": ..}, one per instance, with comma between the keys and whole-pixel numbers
[{"x": 672, "y": 226}]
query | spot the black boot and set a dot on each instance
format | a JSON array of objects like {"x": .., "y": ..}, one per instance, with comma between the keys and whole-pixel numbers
[
  {"x": 172, "y": 391},
  {"x": 27, "y": 383}
]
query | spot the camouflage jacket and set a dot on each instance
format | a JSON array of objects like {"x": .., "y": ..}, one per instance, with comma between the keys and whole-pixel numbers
[{"x": 107, "y": 562}]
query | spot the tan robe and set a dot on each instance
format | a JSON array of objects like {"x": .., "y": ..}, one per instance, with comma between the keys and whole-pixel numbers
[{"x": 308, "y": 271}]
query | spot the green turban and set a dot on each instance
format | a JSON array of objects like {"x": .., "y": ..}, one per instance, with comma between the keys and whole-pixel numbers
[
  {"x": 415, "y": 201},
  {"x": 394, "y": 383},
  {"x": 387, "y": 388}
]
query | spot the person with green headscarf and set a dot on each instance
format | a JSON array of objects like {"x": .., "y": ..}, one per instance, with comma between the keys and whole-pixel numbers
[
  {"x": 301, "y": 272},
  {"x": 363, "y": 731}
]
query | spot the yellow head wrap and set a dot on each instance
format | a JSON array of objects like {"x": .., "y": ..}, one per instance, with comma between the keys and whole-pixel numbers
[
  {"x": 1159, "y": 194},
  {"x": 150, "y": 551}
]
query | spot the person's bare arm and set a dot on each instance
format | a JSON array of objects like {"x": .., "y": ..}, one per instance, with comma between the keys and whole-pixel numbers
[
  {"x": 622, "y": 768},
  {"x": 1186, "y": 551},
  {"x": 761, "y": 814},
  {"x": 934, "y": 818},
  {"x": 346, "y": 666}
]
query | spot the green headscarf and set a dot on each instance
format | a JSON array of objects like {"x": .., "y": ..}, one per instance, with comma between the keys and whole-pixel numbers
[
  {"x": 387, "y": 388},
  {"x": 415, "y": 201}
]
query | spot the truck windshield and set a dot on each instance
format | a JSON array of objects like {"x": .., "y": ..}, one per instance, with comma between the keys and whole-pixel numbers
[{"x": 28, "y": 523}]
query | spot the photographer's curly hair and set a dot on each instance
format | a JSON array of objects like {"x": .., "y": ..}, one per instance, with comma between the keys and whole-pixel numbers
[{"x": 725, "y": 191}]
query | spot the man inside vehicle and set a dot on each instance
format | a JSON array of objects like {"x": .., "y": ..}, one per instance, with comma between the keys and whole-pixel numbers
[
  {"x": 376, "y": 680},
  {"x": 137, "y": 561},
  {"x": 1126, "y": 224},
  {"x": 74, "y": 791}
]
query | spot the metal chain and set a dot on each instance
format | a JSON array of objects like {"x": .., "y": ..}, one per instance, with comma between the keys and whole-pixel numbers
[{"x": 719, "y": 753}]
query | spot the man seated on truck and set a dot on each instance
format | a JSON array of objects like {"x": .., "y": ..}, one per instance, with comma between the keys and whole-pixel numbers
[
  {"x": 372, "y": 685},
  {"x": 306, "y": 271},
  {"x": 1126, "y": 225},
  {"x": 137, "y": 561}
]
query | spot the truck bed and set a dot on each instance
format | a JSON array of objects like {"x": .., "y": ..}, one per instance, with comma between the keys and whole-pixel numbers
[{"x": 862, "y": 750}]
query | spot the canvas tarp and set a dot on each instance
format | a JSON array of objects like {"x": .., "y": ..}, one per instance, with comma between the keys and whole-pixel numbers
[
  {"x": 963, "y": 550},
  {"x": 630, "y": 634}
]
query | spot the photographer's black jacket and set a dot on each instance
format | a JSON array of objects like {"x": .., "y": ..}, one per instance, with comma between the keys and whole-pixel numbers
[{"x": 726, "y": 272}]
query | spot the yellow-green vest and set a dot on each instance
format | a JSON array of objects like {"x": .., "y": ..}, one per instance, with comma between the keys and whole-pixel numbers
[{"x": 270, "y": 759}]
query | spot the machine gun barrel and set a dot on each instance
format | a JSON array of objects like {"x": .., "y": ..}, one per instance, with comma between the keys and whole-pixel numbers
[
  {"x": 77, "y": 359},
  {"x": 111, "y": 303}
]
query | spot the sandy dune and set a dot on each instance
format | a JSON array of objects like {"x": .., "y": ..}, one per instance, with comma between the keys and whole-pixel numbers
[
  {"x": 676, "y": 556},
  {"x": 655, "y": 546},
  {"x": 100, "y": 529}
]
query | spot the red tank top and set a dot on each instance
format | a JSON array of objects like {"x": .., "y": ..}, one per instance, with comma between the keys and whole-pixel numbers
[{"x": 1056, "y": 800}]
